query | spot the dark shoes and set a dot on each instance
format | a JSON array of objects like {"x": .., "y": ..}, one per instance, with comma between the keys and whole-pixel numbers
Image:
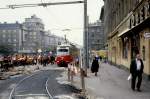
[
  {"x": 133, "y": 89},
  {"x": 139, "y": 90},
  {"x": 95, "y": 74}
]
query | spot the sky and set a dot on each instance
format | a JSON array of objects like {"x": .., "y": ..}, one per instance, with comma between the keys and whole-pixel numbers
[{"x": 56, "y": 18}]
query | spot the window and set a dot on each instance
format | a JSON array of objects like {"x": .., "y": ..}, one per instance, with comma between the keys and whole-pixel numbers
[
  {"x": 125, "y": 47},
  {"x": 149, "y": 8},
  {"x": 4, "y": 31},
  {"x": 130, "y": 26},
  {"x": 9, "y": 40},
  {"x": 4, "y": 35},
  {"x": 138, "y": 15},
  {"x": 92, "y": 35},
  {"x": 34, "y": 37},
  {"x": 14, "y": 45},
  {"x": 143, "y": 52},
  {"x": 14, "y": 49},
  {"x": 143, "y": 13},
  {"x": 134, "y": 22},
  {"x": 14, "y": 31},
  {"x": 3, "y": 40},
  {"x": 15, "y": 40},
  {"x": 98, "y": 30},
  {"x": 62, "y": 50},
  {"x": 34, "y": 33},
  {"x": 92, "y": 30}
]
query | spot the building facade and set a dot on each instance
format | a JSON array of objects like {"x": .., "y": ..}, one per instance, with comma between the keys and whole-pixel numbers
[
  {"x": 28, "y": 37},
  {"x": 51, "y": 41},
  {"x": 96, "y": 36},
  {"x": 11, "y": 34},
  {"x": 126, "y": 24},
  {"x": 34, "y": 36}
]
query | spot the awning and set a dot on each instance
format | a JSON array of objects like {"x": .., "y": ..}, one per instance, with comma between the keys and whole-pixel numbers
[
  {"x": 122, "y": 33},
  {"x": 136, "y": 29}
]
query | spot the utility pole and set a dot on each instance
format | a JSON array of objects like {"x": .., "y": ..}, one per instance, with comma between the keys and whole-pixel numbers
[
  {"x": 85, "y": 39},
  {"x": 84, "y": 53}
]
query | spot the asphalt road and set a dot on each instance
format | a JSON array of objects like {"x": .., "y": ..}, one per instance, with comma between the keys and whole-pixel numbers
[
  {"x": 7, "y": 85},
  {"x": 34, "y": 87}
]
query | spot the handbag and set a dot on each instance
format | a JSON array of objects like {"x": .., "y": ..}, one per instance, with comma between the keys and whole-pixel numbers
[{"x": 129, "y": 77}]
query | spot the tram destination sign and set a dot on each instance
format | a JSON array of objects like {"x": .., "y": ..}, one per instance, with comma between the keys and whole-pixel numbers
[{"x": 147, "y": 35}]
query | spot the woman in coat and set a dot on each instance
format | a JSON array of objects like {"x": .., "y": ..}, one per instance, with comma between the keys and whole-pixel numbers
[{"x": 95, "y": 66}]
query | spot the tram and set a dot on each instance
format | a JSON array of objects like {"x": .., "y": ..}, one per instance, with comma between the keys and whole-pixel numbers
[{"x": 63, "y": 54}]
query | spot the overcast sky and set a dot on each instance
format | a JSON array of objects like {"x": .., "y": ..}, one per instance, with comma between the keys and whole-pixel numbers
[{"x": 55, "y": 18}]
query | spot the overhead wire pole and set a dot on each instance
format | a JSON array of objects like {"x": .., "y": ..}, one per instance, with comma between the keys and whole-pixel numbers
[{"x": 85, "y": 49}]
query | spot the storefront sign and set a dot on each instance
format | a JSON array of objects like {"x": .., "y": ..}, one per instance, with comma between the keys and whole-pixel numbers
[{"x": 147, "y": 35}]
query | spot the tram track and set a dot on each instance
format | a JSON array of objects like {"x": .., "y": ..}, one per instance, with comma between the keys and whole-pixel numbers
[
  {"x": 13, "y": 92},
  {"x": 44, "y": 84}
]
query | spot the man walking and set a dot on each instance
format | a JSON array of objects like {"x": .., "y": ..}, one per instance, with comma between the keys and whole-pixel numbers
[{"x": 136, "y": 70}]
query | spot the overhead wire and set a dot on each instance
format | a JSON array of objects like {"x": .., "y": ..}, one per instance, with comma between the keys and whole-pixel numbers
[
  {"x": 35, "y": 5},
  {"x": 54, "y": 17}
]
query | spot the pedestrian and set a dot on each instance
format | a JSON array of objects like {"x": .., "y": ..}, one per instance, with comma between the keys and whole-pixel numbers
[
  {"x": 95, "y": 66},
  {"x": 136, "y": 70}
]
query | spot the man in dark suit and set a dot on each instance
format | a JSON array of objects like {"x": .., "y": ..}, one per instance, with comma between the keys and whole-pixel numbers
[{"x": 136, "y": 70}]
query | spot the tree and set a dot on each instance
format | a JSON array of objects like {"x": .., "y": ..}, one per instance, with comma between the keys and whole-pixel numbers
[{"x": 6, "y": 49}]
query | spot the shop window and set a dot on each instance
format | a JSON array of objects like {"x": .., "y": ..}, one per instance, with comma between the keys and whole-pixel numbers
[
  {"x": 130, "y": 26},
  {"x": 143, "y": 52},
  {"x": 138, "y": 15},
  {"x": 125, "y": 47},
  {"x": 134, "y": 22},
  {"x": 149, "y": 8},
  {"x": 135, "y": 45},
  {"x": 143, "y": 13}
]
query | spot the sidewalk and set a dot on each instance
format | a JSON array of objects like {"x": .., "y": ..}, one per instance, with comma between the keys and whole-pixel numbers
[{"x": 112, "y": 83}]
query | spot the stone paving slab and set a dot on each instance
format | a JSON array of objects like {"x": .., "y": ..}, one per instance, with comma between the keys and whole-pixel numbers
[{"x": 112, "y": 83}]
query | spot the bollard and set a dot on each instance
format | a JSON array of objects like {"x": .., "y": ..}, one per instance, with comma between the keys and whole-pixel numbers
[
  {"x": 82, "y": 80},
  {"x": 71, "y": 77},
  {"x": 68, "y": 74}
]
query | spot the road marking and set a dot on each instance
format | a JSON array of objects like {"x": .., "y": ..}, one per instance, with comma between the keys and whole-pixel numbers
[
  {"x": 46, "y": 85},
  {"x": 64, "y": 97},
  {"x": 11, "y": 93},
  {"x": 32, "y": 95}
]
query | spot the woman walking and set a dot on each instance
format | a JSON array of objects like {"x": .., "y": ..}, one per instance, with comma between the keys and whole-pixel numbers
[{"x": 95, "y": 66}]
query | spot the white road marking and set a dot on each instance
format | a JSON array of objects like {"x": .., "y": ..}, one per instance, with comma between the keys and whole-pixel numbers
[{"x": 46, "y": 85}]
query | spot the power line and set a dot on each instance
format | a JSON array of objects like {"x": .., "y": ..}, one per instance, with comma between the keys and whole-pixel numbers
[
  {"x": 51, "y": 14},
  {"x": 40, "y": 4},
  {"x": 43, "y": 4},
  {"x": 73, "y": 28}
]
